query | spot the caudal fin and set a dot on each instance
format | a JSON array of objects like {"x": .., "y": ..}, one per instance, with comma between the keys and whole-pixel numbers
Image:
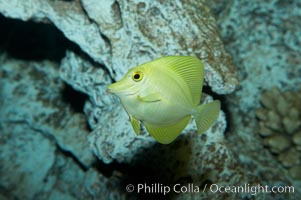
[{"x": 206, "y": 114}]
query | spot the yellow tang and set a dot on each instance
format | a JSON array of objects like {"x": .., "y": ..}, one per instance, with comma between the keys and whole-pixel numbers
[{"x": 163, "y": 94}]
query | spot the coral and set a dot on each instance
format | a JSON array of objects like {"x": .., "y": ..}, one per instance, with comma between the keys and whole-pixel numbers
[
  {"x": 127, "y": 33},
  {"x": 280, "y": 126}
]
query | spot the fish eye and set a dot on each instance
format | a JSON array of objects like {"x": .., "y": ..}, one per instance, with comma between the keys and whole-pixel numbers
[{"x": 137, "y": 76}]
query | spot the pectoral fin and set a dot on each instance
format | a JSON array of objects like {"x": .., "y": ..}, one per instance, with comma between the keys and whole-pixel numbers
[
  {"x": 167, "y": 134},
  {"x": 150, "y": 97},
  {"x": 135, "y": 124}
]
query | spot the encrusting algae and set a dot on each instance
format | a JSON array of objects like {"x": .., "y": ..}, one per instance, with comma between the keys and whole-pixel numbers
[{"x": 163, "y": 94}]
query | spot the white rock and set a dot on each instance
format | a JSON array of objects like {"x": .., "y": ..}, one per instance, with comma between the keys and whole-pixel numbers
[
  {"x": 22, "y": 155},
  {"x": 36, "y": 99},
  {"x": 123, "y": 34}
]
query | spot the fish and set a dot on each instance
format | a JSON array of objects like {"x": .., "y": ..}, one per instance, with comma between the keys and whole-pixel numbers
[{"x": 163, "y": 95}]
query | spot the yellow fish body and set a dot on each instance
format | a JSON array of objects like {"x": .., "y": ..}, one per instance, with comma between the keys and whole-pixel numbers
[{"x": 163, "y": 94}]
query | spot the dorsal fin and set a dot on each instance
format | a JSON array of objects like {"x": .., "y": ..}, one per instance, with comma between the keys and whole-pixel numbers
[{"x": 190, "y": 68}]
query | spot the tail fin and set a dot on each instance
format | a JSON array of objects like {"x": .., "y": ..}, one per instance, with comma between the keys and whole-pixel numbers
[{"x": 205, "y": 115}]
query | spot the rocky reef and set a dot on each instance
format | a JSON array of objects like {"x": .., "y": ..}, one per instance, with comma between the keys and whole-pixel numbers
[{"x": 64, "y": 137}]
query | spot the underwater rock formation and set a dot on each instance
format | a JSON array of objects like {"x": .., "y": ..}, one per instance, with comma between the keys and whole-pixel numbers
[
  {"x": 264, "y": 40},
  {"x": 26, "y": 100},
  {"x": 38, "y": 129},
  {"x": 112, "y": 36},
  {"x": 123, "y": 34},
  {"x": 113, "y": 138},
  {"x": 280, "y": 125},
  {"x": 23, "y": 148},
  {"x": 264, "y": 43},
  {"x": 113, "y": 41}
]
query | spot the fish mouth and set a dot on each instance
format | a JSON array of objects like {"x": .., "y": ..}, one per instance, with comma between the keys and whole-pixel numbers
[{"x": 119, "y": 88}]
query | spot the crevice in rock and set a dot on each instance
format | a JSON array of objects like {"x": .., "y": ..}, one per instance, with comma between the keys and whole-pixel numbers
[
  {"x": 32, "y": 41},
  {"x": 92, "y": 21},
  {"x": 70, "y": 155},
  {"x": 108, "y": 169},
  {"x": 35, "y": 41},
  {"x": 116, "y": 8},
  {"x": 74, "y": 98}
]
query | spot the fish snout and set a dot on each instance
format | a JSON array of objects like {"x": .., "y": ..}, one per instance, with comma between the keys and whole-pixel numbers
[
  {"x": 117, "y": 87},
  {"x": 109, "y": 89}
]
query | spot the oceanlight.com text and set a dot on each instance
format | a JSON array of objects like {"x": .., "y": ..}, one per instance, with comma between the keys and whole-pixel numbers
[{"x": 158, "y": 188}]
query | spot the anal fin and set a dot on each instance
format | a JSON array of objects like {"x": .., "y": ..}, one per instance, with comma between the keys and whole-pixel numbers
[{"x": 167, "y": 134}]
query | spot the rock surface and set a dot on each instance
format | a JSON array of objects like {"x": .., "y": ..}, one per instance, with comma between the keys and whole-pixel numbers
[
  {"x": 116, "y": 40},
  {"x": 32, "y": 94},
  {"x": 38, "y": 131},
  {"x": 262, "y": 37},
  {"x": 22, "y": 154},
  {"x": 264, "y": 40},
  {"x": 127, "y": 33}
]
